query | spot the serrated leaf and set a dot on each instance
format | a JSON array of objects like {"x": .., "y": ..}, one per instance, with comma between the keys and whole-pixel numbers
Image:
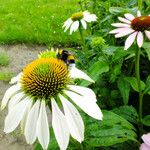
[
  {"x": 124, "y": 88},
  {"x": 95, "y": 70},
  {"x": 147, "y": 88},
  {"x": 113, "y": 129},
  {"x": 146, "y": 47},
  {"x": 146, "y": 120},
  {"x": 127, "y": 112},
  {"x": 133, "y": 83}
]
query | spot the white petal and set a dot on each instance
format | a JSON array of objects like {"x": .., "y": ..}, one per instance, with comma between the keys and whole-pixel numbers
[
  {"x": 60, "y": 126},
  {"x": 124, "y": 20},
  {"x": 140, "y": 39},
  {"x": 14, "y": 100},
  {"x": 74, "y": 26},
  {"x": 31, "y": 123},
  {"x": 138, "y": 13},
  {"x": 86, "y": 92},
  {"x": 118, "y": 30},
  {"x": 83, "y": 24},
  {"x": 12, "y": 90},
  {"x": 120, "y": 25},
  {"x": 15, "y": 115},
  {"x": 24, "y": 119},
  {"x": 89, "y": 17},
  {"x": 67, "y": 24},
  {"x": 42, "y": 130},
  {"x": 124, "y": 33},
  {"x": 16, "y": 79},
  {"x": 147, "y": 34},
  {"x": 74, "y": 120},
  {"x": 88, "y": 106},
  {"x": 76, "y": 73},
  {"x": 129, "y": 41},
  {"x": 129, "y": 16}
]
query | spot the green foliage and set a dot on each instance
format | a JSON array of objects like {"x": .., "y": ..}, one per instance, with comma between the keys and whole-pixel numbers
[
  {"x": 146, "y": 47},
  {"x": 146, "y": 120},
  {"x": 95, "y": 70},
  {"x": 127, "y": 112},
  {"x": 124, "y": 88},
  {"x": 133, "y": 83},
  {"x": 147, "y": 88},
  {"x": 4, "y": 59},
  {"x": 5, "y": 76},
  {"x": 113, "y": 129}
]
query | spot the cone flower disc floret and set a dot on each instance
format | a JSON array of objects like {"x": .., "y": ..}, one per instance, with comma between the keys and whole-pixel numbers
[
  {"x": 45, "y": 83},
  {"x": 79, "y": 19},
  {"x": 135, "y": 27}
]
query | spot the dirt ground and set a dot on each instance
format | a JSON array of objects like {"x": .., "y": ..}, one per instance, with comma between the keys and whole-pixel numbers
[{"x": 20, "y": 55}]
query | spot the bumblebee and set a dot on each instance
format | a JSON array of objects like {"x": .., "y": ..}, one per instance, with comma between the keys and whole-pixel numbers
[{"x": 66, "y": 56}]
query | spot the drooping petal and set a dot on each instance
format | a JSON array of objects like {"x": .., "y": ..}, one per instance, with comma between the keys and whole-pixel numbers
[
  {"x": 74, "y": 26},
  {"x": 88, "y": 106},
  {"x": 74, "y": 120},
  {"x": 138, "y": 13},
  {"x": 118, "y": 30},
  {"x": 147, "y": 34},
  {"x": 124, "y": 20},
  {"x": 60, "y": 126},
  {"x": 42, "y": 130},
  {"x": 124, "y": 33},
  {"x": 129, "y": 16},
  {"x": 120, "y": 25},
  {"x": 15, "y": 79},
  {"x": 14, "y": 100},
  {"x": 129, "y": 41},
  {"x": 140, "y": 39},
  {"x": 15, "y": 115},
  {"x": 31, "y": 123},
  {"x": 144, "y": 147},
  {"x": 86, "y": 92},
  {"x": 12, "y": 90},
  {"x": 67, "y": 24},
  {"x": 83, "y": 24},
  {"x": 146, "y": 139},
  {"x": 76, "y": 73},
  {"x": 24, "y": 119}
]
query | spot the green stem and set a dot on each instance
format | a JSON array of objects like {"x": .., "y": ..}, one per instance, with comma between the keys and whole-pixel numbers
[
  {"x": 140, "y": 5},
  {"x": 137, "y": 71},
  {"x": 82, "y": 38}
]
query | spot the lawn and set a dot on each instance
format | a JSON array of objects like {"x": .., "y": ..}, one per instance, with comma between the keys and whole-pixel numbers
[{"x": 36, "y": 21}]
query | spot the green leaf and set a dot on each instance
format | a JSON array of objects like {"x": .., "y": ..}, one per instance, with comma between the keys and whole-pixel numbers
[
  {"x": 146, "y": 47},
  {"x": 111, "y": 130},
  {"x": 127, "y": 112},
  {"x": 95, "y": 70},
  {"x": 124, "y": 88},
  {"x": 133, "y": 83},
  {"x": 147, "y": 88},
  {"x": 146, "y": 120}
]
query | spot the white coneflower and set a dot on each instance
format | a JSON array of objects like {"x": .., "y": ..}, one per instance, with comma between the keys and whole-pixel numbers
[
  {"x": 134, "y": 27},
  {"x": 47, "y": 82},
  {"x": 78, "y": 19}
]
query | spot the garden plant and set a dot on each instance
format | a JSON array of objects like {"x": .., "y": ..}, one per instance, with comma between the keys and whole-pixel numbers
[{"x": 92, "y": 93}]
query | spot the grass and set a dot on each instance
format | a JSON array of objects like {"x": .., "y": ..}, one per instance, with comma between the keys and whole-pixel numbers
[
  {"x": 36, "y": 21},
  {"x": 6, "y": 76},
  {"x": 4, "y": 59}
]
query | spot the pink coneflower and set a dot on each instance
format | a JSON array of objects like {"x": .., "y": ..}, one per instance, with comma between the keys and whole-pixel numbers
[
  {"x": 146, "y": 144},
  {"x": 134, "y": 27}
]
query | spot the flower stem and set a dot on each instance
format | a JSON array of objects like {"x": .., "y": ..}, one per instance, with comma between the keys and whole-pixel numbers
[
  {"x": 140, "y": 5},
  {"x": 82, "y": 38},
  {"x": 137, "y": 71}
]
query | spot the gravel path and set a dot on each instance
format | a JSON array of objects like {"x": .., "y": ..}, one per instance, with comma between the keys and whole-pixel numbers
[{"x": 20, "y": 55}]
